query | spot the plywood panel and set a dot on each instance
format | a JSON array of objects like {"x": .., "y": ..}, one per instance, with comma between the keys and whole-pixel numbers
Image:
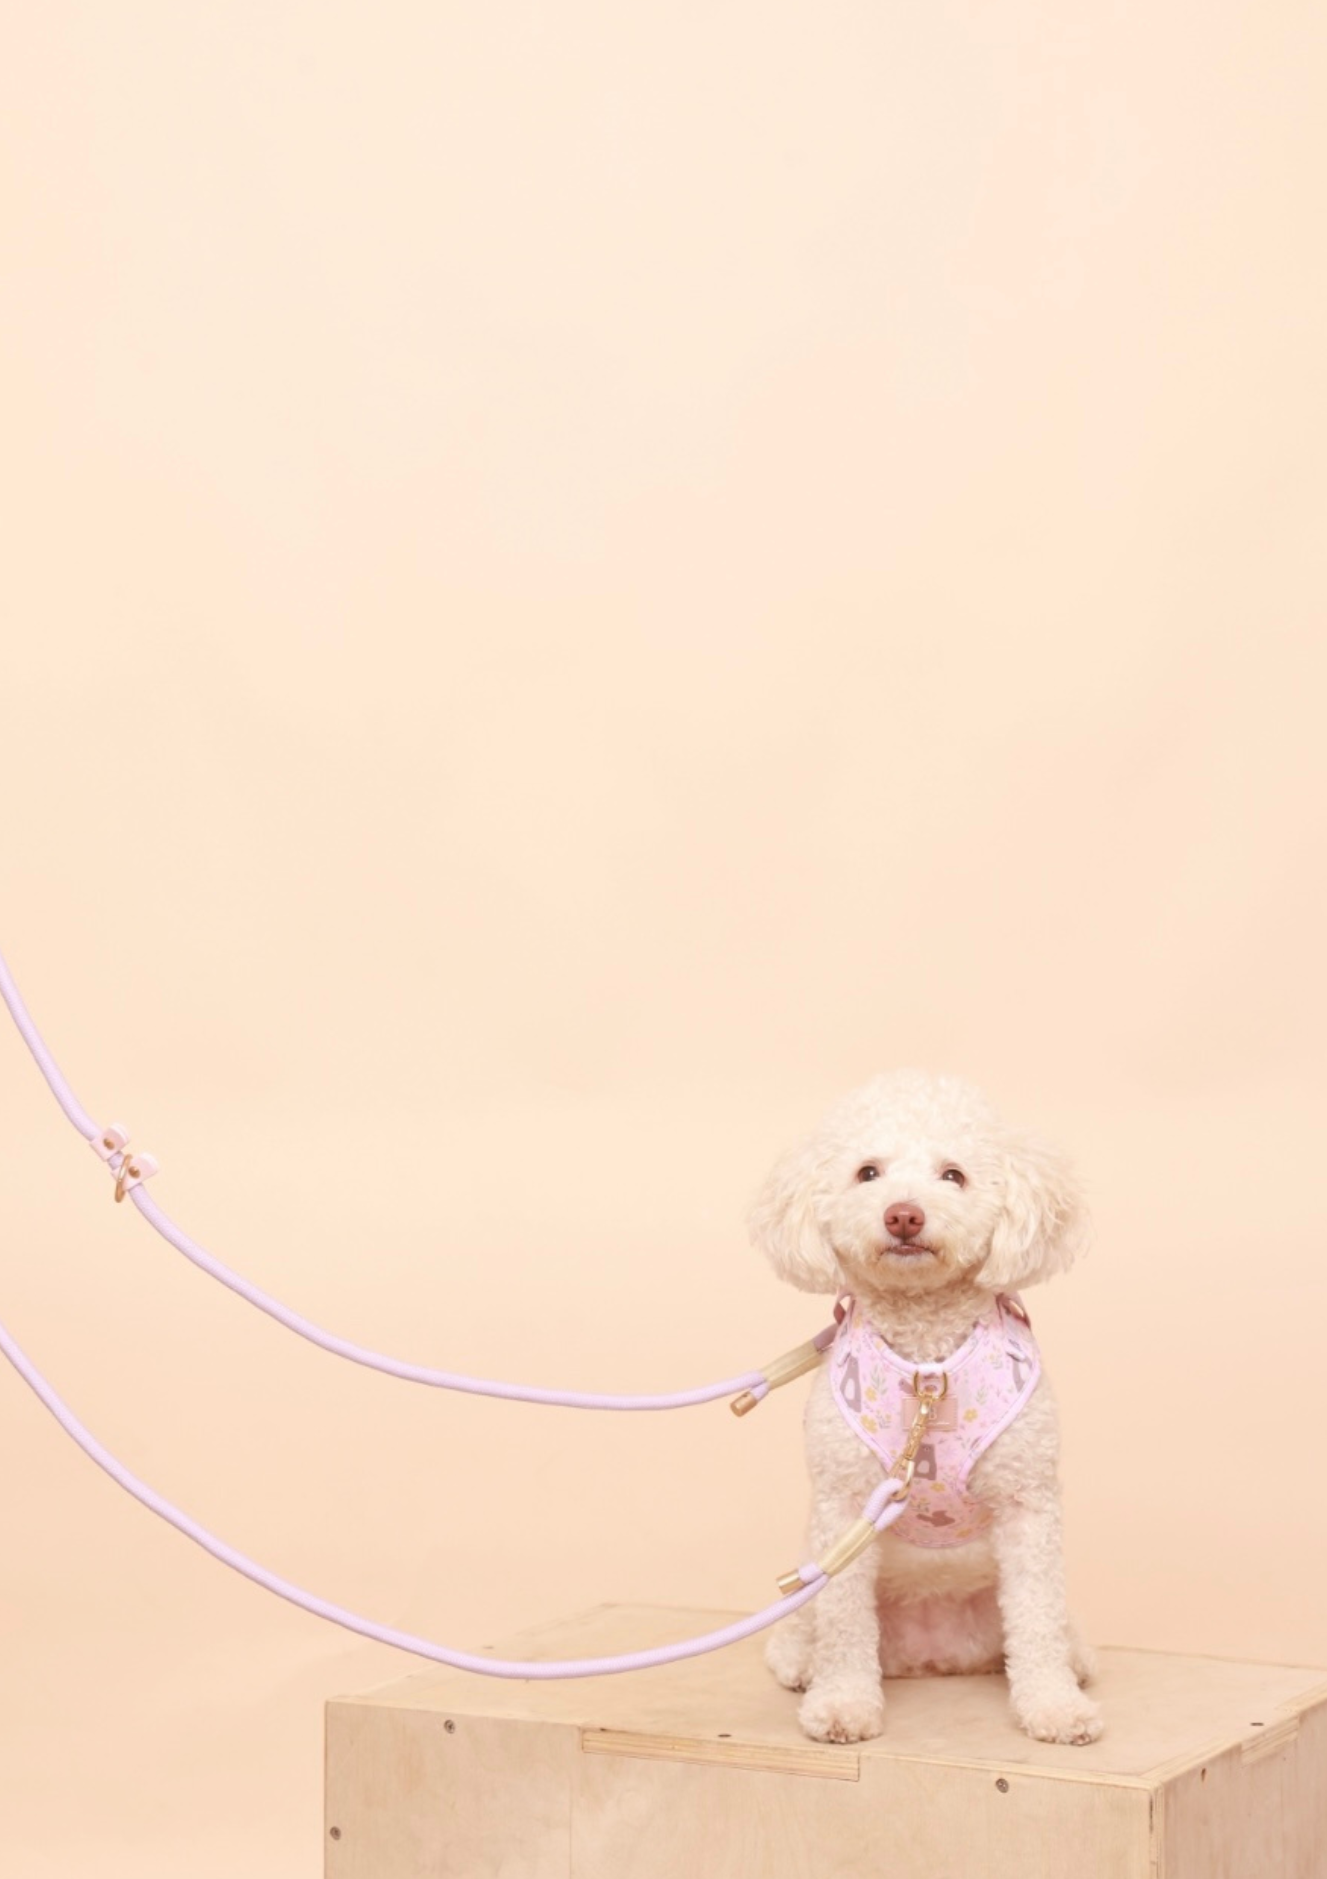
[
  {"x": 1310, "y": 1850},
  {"x": 1208, "y": 1770},
  {"x": 911, "y": 1820},
  {"x": 407, "y": 1798}
]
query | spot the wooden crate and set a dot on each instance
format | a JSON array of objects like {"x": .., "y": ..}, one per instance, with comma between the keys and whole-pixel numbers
[{"x": 1208, "y": 1770}]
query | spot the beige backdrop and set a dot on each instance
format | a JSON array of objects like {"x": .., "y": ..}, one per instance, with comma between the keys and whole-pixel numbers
[{"x": 578, "y": 579}]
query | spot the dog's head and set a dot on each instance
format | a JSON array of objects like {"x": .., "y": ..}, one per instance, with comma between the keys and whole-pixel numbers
[{"x": 912, "y": 1182}]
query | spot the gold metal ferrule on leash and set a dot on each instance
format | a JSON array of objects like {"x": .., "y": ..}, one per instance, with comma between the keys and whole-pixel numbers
[
  {"x": 782, "y": 1370},
  {"x": 854, "y": 1540}
]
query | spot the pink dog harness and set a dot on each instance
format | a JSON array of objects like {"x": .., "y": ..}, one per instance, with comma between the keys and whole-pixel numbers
[{"x": 990, "y": 1378}]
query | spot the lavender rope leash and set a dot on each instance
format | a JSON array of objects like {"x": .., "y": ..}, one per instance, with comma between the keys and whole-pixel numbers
[
  {"x": 132, "y": 1169},
  {"x": 880, "y": 1512}
]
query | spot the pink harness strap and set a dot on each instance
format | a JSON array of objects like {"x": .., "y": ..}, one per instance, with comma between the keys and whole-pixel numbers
[{"x": 990, "y": 1378}]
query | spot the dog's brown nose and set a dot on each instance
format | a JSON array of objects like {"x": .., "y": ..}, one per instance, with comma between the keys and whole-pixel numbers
[{"x": 904, "y": 1219}]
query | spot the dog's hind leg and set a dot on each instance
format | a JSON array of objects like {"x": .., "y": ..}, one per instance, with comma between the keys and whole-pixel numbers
[
  {"x": 790, "y": 1648},
  {"x": 1082, "y": 1657}
]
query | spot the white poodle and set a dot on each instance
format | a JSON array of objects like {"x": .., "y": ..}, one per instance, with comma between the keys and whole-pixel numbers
[{"x": 924, "y": 1213}]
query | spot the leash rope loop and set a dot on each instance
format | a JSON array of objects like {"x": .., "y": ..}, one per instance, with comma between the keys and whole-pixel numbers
[
  {"x": 880, "y": 1511},
  {"x": 132, "y": 1169}
]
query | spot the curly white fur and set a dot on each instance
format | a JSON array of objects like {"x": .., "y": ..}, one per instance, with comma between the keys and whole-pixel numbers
[{"x": 1015, "y": 1216}]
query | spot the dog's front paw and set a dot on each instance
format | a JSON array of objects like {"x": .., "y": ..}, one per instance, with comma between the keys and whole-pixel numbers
[
  {"x": 1059, "y": 1714},
  {"x": 788, "y": 1655},
  {"x": 843, "y": 1710}
]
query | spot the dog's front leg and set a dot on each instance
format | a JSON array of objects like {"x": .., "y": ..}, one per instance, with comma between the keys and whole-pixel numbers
[
  {"x": 844, "y": 1701},
  {"x": 1038, "y": 1637}
]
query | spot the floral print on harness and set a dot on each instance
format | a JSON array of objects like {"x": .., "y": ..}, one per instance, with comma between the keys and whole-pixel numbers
[{"x": 991, "y": 1376}]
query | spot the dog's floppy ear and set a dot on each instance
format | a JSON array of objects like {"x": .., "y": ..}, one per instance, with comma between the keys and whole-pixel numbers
[
  {"x": 1042, "y": 1224},
  {"x": 784, "y": 1222}
]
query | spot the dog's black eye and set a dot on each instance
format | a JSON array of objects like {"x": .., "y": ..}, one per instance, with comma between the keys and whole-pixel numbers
[
  {"x": 868, "y": 1172},
  {"x": 954, "y": 1174}
]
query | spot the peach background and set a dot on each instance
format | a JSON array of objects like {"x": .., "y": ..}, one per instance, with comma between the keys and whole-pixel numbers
[{"x": 578, "y": 580}]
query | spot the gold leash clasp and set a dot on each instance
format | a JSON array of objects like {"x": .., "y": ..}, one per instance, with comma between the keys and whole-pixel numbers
[{"x": 928, "y": 1400}]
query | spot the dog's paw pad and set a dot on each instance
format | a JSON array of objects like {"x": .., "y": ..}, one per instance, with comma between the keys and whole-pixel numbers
[{"x": 843, "y": 1712}]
